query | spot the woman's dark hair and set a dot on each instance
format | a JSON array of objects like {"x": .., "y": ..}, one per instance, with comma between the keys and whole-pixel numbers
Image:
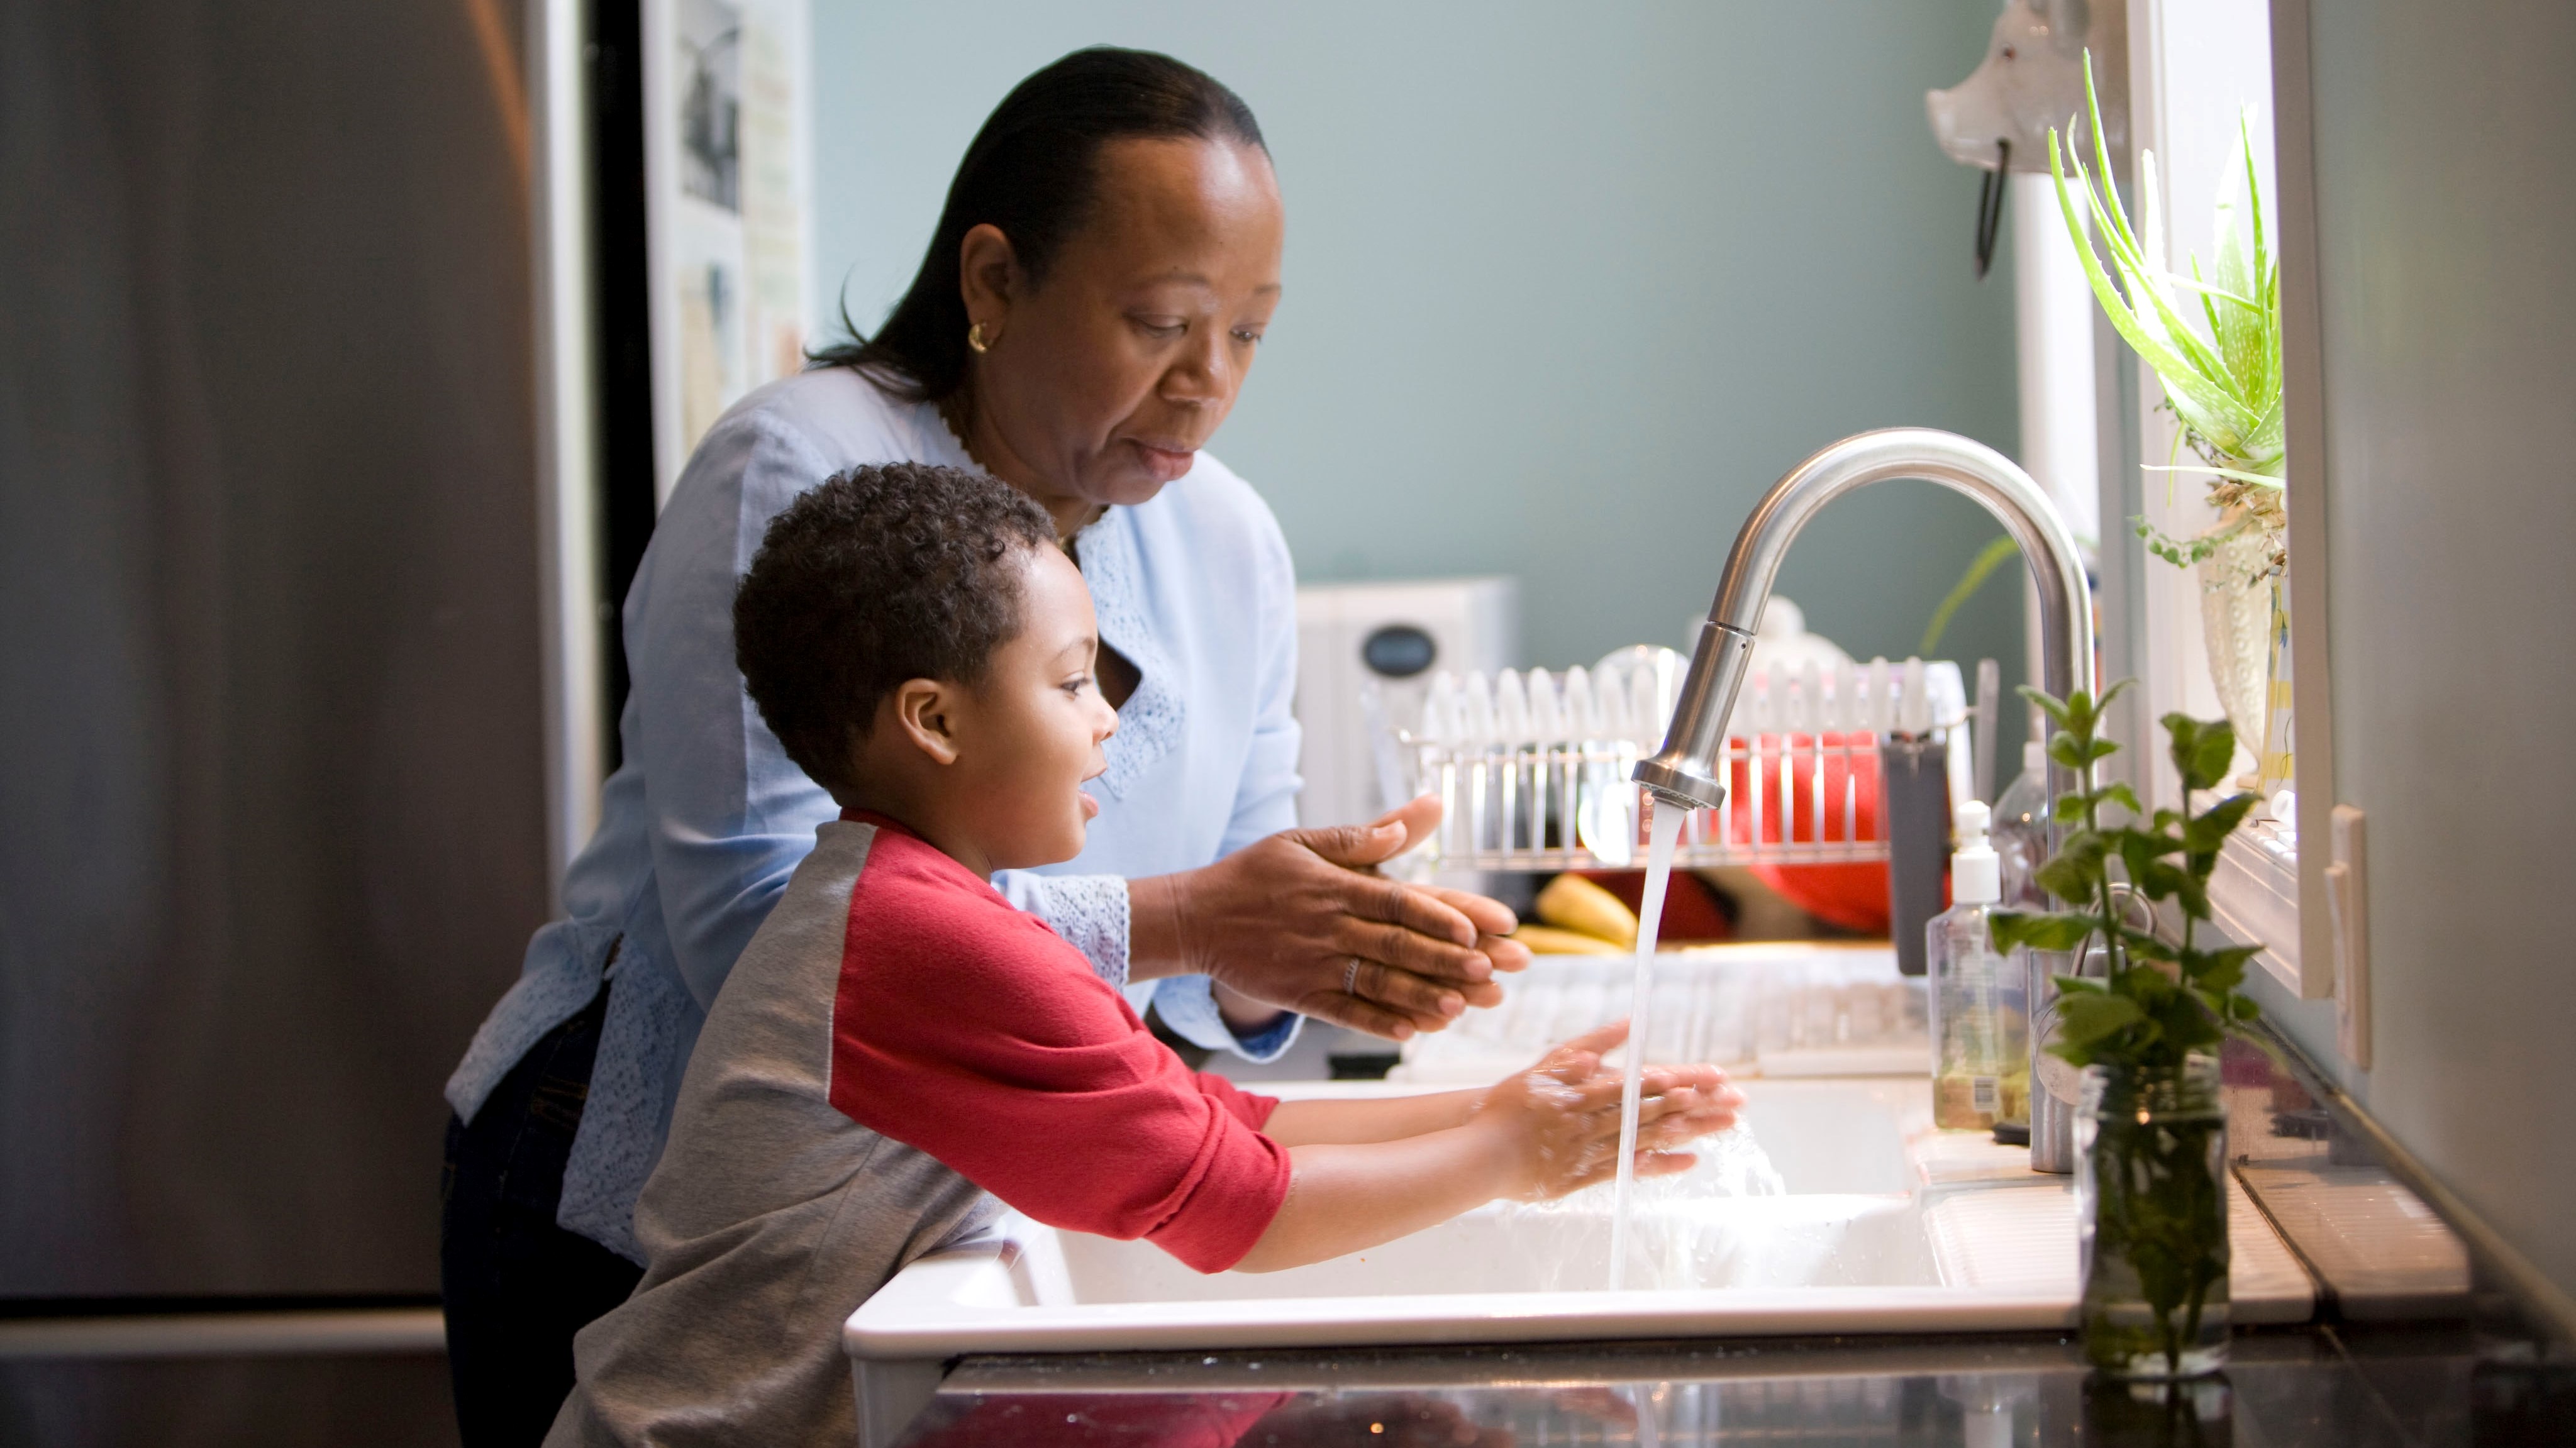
[
  {"x": 881, "y": 574},
  {"x": 1033, "y": 171}
]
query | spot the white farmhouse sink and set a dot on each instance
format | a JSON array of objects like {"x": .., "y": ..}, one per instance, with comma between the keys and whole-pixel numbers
[{"x": 1885, "y": 1226}]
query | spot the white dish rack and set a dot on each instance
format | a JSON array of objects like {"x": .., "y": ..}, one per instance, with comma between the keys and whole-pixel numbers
[{"x": 1532, "y": 768}]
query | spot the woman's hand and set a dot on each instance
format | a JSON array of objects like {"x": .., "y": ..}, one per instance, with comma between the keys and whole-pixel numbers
[
  {"x": 1301, "y": 921},
  {"x": 1559, "y": 1120}
]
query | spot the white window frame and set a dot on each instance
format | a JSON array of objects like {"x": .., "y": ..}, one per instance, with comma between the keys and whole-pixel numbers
[{"x": 2192, "y": 65}]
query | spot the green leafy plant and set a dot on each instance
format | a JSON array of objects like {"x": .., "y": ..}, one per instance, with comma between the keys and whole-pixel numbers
[
  {"x": 2157, "y": 1002},
  {"x": 2155, "y": 1005},
  {"x": 2214, "y": 341}
]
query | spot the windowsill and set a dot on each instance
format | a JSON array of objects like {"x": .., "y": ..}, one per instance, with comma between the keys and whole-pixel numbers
[{"x": 2254, "y": 898}]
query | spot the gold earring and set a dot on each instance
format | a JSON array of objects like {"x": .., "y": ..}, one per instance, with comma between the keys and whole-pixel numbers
[{"x": 975, "y": 339}]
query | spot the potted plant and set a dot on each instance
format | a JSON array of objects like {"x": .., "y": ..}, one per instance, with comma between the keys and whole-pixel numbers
[
  {"x": 2150, "y": 1128},
  {"x": 2215, "y": 343}
]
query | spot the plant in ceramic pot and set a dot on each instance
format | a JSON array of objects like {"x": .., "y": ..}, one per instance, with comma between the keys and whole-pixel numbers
[
  {"x": 2215, "y": 343},
  {"x": 2150, "y": 1129}
]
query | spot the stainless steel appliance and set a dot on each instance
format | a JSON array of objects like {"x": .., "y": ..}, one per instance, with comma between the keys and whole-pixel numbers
[{"x": 277, "y": 574}]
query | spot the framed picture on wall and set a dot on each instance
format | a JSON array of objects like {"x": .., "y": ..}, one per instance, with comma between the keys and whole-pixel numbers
[{"x": 728, "y": 176}]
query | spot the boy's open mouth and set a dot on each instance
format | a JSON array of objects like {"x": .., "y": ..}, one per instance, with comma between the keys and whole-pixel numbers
[{"x": 1090, "y": 806}]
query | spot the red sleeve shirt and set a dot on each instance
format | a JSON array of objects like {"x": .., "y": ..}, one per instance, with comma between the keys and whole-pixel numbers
[{"x": 968, "y": 1029}]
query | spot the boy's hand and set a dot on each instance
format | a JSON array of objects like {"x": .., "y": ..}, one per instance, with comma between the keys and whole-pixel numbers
[{"x": 1559, "y": 1120}]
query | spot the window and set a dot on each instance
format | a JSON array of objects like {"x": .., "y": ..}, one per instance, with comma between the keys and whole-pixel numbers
[{"x": 2193, "y": 67}]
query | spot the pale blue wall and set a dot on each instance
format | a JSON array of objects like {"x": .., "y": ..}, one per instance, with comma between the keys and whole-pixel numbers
[
  {"x": 1567, "y": 285},
  {"x": 2445, "y": 194}
]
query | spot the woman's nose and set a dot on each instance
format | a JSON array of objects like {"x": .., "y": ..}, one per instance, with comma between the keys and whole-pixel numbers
[{"x": 1203, "y": 374}]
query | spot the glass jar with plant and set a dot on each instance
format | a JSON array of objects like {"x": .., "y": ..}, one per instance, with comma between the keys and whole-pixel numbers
[
  {"x": 2215, "y": 343},
  {"x": 2150, "y": 1131}
]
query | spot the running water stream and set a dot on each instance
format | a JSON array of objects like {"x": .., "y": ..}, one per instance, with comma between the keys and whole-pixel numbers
[{"x": 1666, "y": 829}]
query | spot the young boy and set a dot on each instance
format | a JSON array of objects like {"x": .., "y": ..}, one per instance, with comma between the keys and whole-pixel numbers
[{"x": 898, "y": 1047}]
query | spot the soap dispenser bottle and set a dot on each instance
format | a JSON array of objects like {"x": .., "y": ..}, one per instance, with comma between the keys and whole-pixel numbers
[{"x": 1980, "y": 1019}]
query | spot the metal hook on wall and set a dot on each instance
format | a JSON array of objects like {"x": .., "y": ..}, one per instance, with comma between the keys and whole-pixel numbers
[{"x": 1990, "y": 206}]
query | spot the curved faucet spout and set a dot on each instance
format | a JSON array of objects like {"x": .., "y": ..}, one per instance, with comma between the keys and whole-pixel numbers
[{"x": 1690, "y": 769}]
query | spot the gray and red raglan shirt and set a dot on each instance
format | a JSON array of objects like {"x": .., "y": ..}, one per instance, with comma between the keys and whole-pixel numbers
[{"x": 897, "y": 1047}]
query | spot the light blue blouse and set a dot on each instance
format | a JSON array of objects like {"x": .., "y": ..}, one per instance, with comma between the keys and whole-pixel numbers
[{"x": 703, "y": 823}]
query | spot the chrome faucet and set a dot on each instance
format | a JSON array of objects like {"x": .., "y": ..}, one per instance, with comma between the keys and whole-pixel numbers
[{"x": 1690, "y": 770}]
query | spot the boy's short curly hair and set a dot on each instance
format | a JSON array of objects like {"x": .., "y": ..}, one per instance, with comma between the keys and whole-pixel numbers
[{"x": 881, "y": 574}]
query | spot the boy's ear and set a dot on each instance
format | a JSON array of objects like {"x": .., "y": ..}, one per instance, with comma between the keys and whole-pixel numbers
[{"x": 925, "y": 710}]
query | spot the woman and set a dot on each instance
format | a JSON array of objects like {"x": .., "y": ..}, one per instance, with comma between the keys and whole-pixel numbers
[{"x": 1102, "y": 272}]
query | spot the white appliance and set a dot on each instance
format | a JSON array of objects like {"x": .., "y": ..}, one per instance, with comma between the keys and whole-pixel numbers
[{"x": 1365, "y": 656}]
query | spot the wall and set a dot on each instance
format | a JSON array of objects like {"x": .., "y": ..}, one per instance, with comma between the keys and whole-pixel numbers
[
  {"x": 1567, "y": 286},
  {"x": 2445, "y": 160}
]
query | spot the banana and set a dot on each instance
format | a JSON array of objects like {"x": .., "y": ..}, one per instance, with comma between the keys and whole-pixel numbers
[
  {"x": 1548, "y": 940},
  {"x": 1571, "y": 902}
]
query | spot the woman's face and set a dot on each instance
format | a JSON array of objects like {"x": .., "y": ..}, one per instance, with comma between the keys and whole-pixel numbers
[{"x": 1103, "y": 381}]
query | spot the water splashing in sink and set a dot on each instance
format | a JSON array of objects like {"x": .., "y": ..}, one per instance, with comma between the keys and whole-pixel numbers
[{"x": 1684, "y": 1231}]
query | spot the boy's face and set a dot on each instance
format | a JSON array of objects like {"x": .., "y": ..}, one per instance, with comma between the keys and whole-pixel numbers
[{"x": 1033, "y": 731}]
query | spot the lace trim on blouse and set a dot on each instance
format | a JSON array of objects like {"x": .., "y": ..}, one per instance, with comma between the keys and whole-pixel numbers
[{"x": 1150, "y": 722}]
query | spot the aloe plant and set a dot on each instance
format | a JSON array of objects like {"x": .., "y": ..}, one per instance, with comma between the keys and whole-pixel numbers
[{"x": 2214, "y": 341}]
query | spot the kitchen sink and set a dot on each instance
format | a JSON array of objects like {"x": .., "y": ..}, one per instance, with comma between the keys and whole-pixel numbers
[{"x": 1874, "y": 1223}]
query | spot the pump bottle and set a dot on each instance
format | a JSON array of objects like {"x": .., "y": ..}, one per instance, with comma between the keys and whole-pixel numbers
[{"x": 1980, "y": 1018}]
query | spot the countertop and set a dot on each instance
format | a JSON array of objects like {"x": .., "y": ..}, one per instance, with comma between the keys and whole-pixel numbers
[
  {"x": 2423, "y": 1386},
  {"x": 2418, "y": 1342}
]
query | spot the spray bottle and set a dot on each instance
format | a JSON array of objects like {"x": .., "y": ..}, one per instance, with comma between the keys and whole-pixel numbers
[{"x": 1980, "y": 1019}]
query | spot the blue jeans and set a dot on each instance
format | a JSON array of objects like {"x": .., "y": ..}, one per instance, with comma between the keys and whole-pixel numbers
[{"x": 516, "y": 1286}]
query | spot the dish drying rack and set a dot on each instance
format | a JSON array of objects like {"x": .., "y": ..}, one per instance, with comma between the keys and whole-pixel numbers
[{"x": 1532, "y": 768}]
